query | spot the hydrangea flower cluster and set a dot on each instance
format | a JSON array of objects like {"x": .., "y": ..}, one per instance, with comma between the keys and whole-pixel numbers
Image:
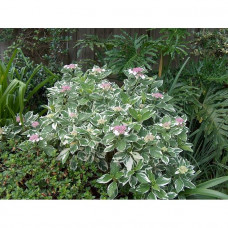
[
  {"x": 71, "y": 66},
  {"x": 157, "y": 95},
  {"x": 98, "y": 70},
  {"x": 120, "y": 130},
  {"x": 35, "y": 124},
  {"x": 35, "y": 138},
  {"x": 137, "y": 72},
  {"x": 132, "y": 133},
  {"x": 106, "y": 86},
  {"x": 65, "y": 88}
]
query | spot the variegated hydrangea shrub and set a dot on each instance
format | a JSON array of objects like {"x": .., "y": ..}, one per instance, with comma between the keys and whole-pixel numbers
[{"x": 132, "y": 133}]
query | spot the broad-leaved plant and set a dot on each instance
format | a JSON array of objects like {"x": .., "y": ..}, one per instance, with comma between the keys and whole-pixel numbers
[{"x": 132, "y": 133}]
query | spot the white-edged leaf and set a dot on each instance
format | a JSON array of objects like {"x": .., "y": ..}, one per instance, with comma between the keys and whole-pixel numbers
[
  {"x": 73, "y": 163},
  {"x": 121, "y": 145},
  {"x": 142, "y": 177},
  {"x": 143, "y": 188},
  {"x": 162, "y": 181},
  {"x": 133, "y": 181},
  {"x": 155, "y": 152},
  {"x": 179, "y": 185},
  {"x": 112, "y": 190},
  {"x": 129, "y": 163},
  {"x": 63, "y": 155},
  {"x": 104, "y": 179},
  {"x": 151, "y": 196}
]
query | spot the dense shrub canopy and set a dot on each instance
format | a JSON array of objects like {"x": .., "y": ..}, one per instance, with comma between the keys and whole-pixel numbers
[{"x": 132, "y": 133}]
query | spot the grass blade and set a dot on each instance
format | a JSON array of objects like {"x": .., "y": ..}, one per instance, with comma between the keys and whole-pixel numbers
[
  {"x": 178, "y": 75},
  {"x": 212, "y": 183},
  {"x": 206, "y": 192}
]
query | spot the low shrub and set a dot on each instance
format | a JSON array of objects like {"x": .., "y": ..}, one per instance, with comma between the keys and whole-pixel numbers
[
  {"x": 33, "y": 175},
  {"x": 132, "y": 133}
]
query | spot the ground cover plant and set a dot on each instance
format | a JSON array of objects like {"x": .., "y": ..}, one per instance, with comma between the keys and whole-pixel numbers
[{"x": 34, "y": 175}]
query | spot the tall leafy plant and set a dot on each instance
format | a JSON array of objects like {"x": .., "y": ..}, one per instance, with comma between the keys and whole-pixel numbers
[
  {"x": 207, "y": 108},
  {"x": 131, "y": 51},
  {"x": 13, "y": 89}
]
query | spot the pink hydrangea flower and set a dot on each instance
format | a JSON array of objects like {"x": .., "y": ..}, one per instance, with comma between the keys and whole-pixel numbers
[
  {"x": 71, "y": 66},
  {"x": 157, "y": 95},
  {"x": 106, "y": 86},
  {"x": 34, "y": 138},
  {"x": 137, "y": 70},
  {"x": 97, "y": 70},
  {"x": 72, "y": 115},
  {"x": 120, "y": 130},
  {"x": 65, "y": 88},
  {"x": 18, "y": 119},
  {"x": 35, "y": 124},
  {"x": 179, "y": 121}
]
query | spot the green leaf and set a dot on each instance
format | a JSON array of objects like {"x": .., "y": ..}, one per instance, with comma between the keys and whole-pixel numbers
[
  {"x": 150, "y": 175},
  {"x": 120, "y": 156},
  {"x": 162, "y": 181},
  {"x": 121, "y": 145},
  {"x": 83, "y": 142},
  {"x": 186, "y": 147},
  {"x": 143, "y": 188},
  {"x": 104, "y": 179},
  {"x": 161, "y": 194},
  {"x": 165, "y": 159},
  {"x": 136, "y": 156},
  {"x": 155, "y": 152},
  {"x": 109, "y": 148},
  {"x": 109, "y": 137},
  {"x": 142, "y": 178},
  {"x": 49, "y": 150},
  {"x": 73, "y": 163},
  {"x": 82, "y": 156},
  {"x": 73, "y": 148},
  {"x": 177, "y": 76},
  {"x": 206, "y": 192},
  {"x": 132, "y": 138},
  {"x": 103, "y": 165},
  {"x": 133, "y": 113},
  {"x": 114, "y": 168},
  {"x": 213, "y": 182},
  {"x": 151, "y": 196},
  {"x": 124, "y": 97},
  {"x": 146, "y": 115},
  {"x": 156, "y": 187},
  {"x": 64, "y": 155},
  {"x": 129, "y": 163},
  {"x": 118, "y": 175},
  {"x": 112, "y": 190},
  {"x": 133, "y": 181},
  {"x": 179, "y": 185},
  {"x": 188, "y": 183},
  {"x": 169, "y": 108},
  {"x": 171, "y": 195},
  {"x": 137, "y": 127}
]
